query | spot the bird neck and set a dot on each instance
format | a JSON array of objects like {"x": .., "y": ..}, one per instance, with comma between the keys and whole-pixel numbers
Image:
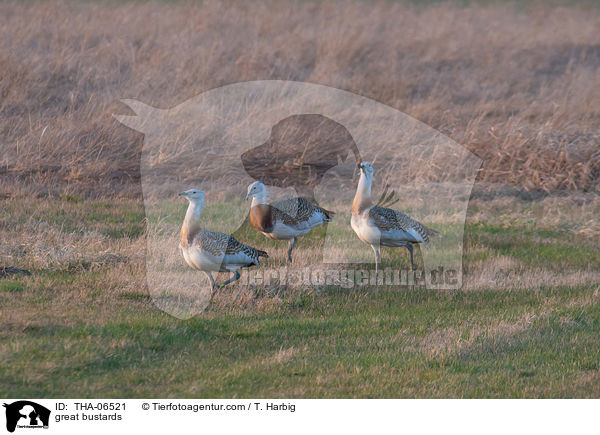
[
  {"x": 362, "y": 198},
  {"x": 191, "y": 224},
  {"x": 259, "y": 198}
]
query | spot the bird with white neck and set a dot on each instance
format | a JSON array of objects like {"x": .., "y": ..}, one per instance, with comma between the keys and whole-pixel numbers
[
  {"x": 212, "y": 251},
  {"x": 286, "y": 219},
  {"x": 379, "y": 226}
]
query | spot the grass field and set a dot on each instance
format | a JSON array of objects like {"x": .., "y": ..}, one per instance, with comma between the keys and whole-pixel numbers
[
  {"x": 517, "y": 83},
  {"x": 525, "y": 324}
]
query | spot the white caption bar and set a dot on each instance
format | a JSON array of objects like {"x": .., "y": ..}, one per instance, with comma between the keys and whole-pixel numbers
[{"x": 277, "y": 416}]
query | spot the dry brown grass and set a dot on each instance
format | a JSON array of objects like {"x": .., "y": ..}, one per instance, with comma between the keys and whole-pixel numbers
[{"x": 519, "y": 87}]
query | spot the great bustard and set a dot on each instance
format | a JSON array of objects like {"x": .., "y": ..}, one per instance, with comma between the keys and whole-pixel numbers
[
  {"x": 379, "y": 226},
  {"x": 211, "y": 251},
  {"x": 284, "y": 220}
]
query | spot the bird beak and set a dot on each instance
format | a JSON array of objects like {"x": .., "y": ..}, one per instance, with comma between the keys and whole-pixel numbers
[
  {"x": 247, "y": 197},
  {"x": 181, "y": 194}
]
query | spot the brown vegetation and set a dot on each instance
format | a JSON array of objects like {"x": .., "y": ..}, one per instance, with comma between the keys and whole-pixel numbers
[{"x": 519, "y": 87}]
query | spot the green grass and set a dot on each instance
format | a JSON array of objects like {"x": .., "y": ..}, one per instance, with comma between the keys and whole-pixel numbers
[
  {"x": 87, "y": 326},
  {"x": 11, "y": 286},
  {"x": 375, "y": 345},
  {"x": 535, "y": 246}
]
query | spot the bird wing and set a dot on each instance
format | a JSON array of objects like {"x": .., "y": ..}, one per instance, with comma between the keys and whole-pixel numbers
[
  {"x": 296, "y": 210},
  {"x": 220, "y": 244},
  {"x": 387, "y": 219}
]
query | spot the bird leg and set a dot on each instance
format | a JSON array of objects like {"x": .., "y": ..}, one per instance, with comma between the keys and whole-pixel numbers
[
  {"x": 212, "y": 282},
  {"x": 377, "y": 258},
  {"x": 292, "y": 243},
  {"x": 409, "y": 246},
  {"x": 235, "y": 277}
]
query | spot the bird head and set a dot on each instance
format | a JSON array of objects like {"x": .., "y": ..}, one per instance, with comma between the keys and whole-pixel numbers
[
  {"x": 256, "y": 189},
  {"x": 366, "y": 169},
  {"x": 193, "y": 195}
]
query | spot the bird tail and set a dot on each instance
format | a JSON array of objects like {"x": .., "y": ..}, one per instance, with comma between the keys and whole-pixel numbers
[
  {"x": 328, "y": 214},
  {"x": 433, "y": 233}
]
